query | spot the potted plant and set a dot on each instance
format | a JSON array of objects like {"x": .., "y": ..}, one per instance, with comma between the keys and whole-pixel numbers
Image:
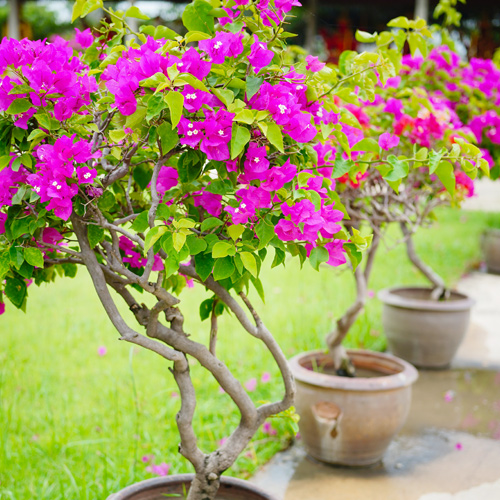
[
  {"x": 168, "y": 158},
  {"x": 399, "y": 127}
]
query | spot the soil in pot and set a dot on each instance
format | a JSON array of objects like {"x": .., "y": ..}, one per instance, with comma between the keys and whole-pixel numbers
[
  {"x": 174, "y": 487},
  {"x": 351, "y": 421},
  {"x": 423, "y": 331}
]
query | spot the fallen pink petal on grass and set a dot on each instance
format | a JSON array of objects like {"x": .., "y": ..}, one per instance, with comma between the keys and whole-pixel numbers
[
  {"x": 459, "y": 446},
  {"x": 266, "y": 377},
  {"x": 102, "y": 350},
  {"x": 251, "y": 385},
  {"x": 267, "y": 428}
]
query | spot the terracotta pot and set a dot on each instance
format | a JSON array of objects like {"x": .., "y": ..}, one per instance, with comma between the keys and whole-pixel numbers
[
  {"x": 351, "y": 421},
  {"x": 423, "y": 331},
  {"x": 155, "y": 489},
  {"x": 491, "y": 250}
]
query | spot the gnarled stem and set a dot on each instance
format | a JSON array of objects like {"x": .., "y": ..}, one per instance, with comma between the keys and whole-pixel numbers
[
  {"x": 438, "y": 282},
  {"x": 344, "y": 323}
]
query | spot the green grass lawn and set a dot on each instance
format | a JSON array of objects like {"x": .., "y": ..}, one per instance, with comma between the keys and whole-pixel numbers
[{"x": 75, "y": 425}]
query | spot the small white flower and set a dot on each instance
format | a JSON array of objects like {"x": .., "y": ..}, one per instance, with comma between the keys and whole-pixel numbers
[
  {"x": 191, "y": 96},
  {"x": 299, "y": 87},
  {"x": 243, "y": 205},
  {"x": 319, "y": 113},
  {"x": 190, "y": 125},
  {"x": 58, "y": 187},
  {"x": 190, "y": 133},
  {"x": 195, "y": 132},
  {"x": 218, "y": 45},
  {"x": 54, "y": 183},
  {"x": 236, "y": 210},
  {"x": 87, "y": 175},
  {"x": 180, "y": 65},
  {"x": 256, "y": 159},
  {"x": 221, "y": 132},
  {"x": 283, "y": 108}
]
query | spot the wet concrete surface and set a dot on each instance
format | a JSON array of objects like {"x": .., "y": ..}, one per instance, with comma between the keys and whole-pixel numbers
[{"x": 449, "y": 448}]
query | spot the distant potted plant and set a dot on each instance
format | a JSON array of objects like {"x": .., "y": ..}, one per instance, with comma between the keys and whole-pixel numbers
[{"x": 421, "y": 143}]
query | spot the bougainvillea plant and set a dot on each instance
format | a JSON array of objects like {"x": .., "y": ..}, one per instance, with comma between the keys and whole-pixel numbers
[
  {"x": 168, "y": 157},
  {"x": 403, "y": 119}
]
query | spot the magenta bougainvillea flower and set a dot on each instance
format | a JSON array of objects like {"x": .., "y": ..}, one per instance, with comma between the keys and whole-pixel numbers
[
  {"x": 314, "y": 64},
  {"x": 388, "y": 141}
]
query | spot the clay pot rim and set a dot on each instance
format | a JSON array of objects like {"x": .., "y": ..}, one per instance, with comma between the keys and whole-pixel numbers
[
  {"x": 404, "y": 378},
  {"x": 148, "y": 484},
  {"x": 390, "y": 297}
]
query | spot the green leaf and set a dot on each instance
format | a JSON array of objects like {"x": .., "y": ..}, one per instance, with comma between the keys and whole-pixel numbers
[
  {"x": 95, "y": 234},
  {"x": 341, "y": 167},
  {"x": 197, "y": 17},
  {"x": 153, "y": 235},
  {"x": 37, "y": 135},
  {"x": 399, "y": 169},
  {"x": 355, "y": 256},
  {"x": 240, "y": 138},
  {"x": 235, "y": 231},
  {"x": 19, "y": 106},
  {"x": 20, "y": 227},
  {"x": 135, "y": 13},
  {"x": 33, "y": 256},
  {"x": 318, "y": 255},
  {"x": 70, "y": 270},
  {"x": 225, "y": 95},
  {"x": 275, "y": 136},
  {"x": 15, "y": 289},
  {"x": 367, "y": 144},
  {"x": 258, "y": 286},
  {"x": 399, "y": 22},
  {"x": 156, "y": 105},
  {"x": 137, "y": 118},
  {"x": 196, "y": 245},
  {"x": 107, "y": 201},
  {"x": 178, "y": 240},
  {"x": 175, "y": 101},
  {"x": 168, "y": 137},
  {"x": 245, "y": 116},
  {"x": 142, "y": 174},
  {"x": 16, "y": 256},
  {"x": 434, "y": 159},
  {"x": 253, "y": 85},
  {"x": 206, "y": 308},
  {"x": 141, "y": 222},
  {"x": 210, "y": 223},
  {"x": 249, "y": 262},
  {"x": 223, "y": 249},
  {"x": 365, "y": 37},
  {"x": 4, "y": 264},
  {"x": 224, "y": 268},
  {"x": 265, "y": 232},
  {"x": 47, "y": 122},
  {"x": 203, "y": 264},
  {"x": 446, "y": 175}
]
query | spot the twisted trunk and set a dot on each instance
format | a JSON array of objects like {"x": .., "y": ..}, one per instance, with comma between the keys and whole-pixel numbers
[
  {"x": 337, "y": 352},
  {"x": 440, "y": 291}
]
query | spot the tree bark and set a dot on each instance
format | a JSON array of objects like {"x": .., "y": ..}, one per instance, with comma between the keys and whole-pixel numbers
[
  {"x": 334, "y": 340},
  {"x": 438, "y": 282}
]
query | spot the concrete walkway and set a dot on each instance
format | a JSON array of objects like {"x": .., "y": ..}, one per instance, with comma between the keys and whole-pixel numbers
[{"x": 448, "y": 449}]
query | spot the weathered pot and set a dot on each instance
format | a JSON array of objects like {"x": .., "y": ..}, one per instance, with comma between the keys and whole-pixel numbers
[
  {"x": 157, "y": 489},
  {"x": 424, "y": 331},
  {"x": 351, "y": 421},
  {"x": 491, "y": 250}
]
